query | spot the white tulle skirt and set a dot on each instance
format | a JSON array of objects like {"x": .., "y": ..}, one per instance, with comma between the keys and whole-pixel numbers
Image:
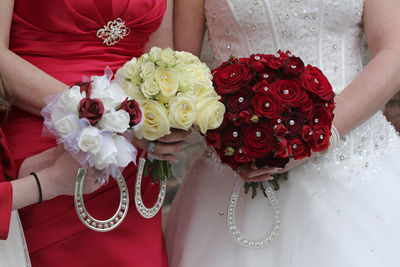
[{"x": 336, "y": 211}]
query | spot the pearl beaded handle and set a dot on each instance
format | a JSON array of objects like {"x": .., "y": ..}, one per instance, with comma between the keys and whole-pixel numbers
[
  {"x": 87, "y": 219},
  {"x": 237, "y": 235},
  {"x": 147, "y": 213}
]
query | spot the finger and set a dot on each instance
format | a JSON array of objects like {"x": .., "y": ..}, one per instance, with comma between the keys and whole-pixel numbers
[
  {"x": 259, "y": 178},
  {"x": 249, "y": 172},
  {"x": 175, "y": 136},
  {"x": 171, "y": 158},
  {"x": 167, "y": 148}
]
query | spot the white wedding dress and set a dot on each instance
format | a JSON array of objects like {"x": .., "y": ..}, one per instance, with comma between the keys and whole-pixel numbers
[{"x": 337, "y": 210}]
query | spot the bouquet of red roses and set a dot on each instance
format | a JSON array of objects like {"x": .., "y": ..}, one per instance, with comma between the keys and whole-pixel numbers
[{"x": 276, "y": 109}]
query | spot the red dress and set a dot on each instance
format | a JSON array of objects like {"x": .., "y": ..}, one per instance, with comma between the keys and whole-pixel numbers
[{"x": 59, "y": 37}]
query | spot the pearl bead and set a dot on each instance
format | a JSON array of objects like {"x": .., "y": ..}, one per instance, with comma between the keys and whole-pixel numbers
[
  {"x": 152, "y": 115},
  {"x": 265, "y": 75},
  {"x": 316, "y": 80},
  {"x": 265, "y": 88},
  {"x": 316, "y": 120},
  {"x": 235, "y": 134},
  {"x": 321, "y": 137},
  {"x": 291, "y": 122},
  {"x": 257, "y": 58},
  {"x": 164, "y": 77},
  {"x": 267, "y": 105},
  {"x": 184, "y": 106},
  {"x": 294, "y": 146},
  {"x": 278, "y": 120},
  {"x": 258, "y": 134},
  {"x": 240, "y": 99},
  {"x": 285, "y": 92},
  {"x": 240, "y": 150}
]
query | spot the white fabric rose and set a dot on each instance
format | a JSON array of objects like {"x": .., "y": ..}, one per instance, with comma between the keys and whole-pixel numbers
[
  {"x": 90, "y": 140},
  {"x": 107, "y": 155},
  {"x": 115, "y": 121},
  {"x": 112, "y": 95},
  {"x": 126, "y": 152},
  {"x": 67, "y": 125},
  {"x": 69, "y": 100}
]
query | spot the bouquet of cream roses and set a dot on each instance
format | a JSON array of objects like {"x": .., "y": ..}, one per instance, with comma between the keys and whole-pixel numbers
[{"x": 174, "y": 90}]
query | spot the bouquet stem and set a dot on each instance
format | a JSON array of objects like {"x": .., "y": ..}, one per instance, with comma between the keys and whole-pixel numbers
[
  {"x": 274, "y": 183},
  {"x": 159, "y": 169}
]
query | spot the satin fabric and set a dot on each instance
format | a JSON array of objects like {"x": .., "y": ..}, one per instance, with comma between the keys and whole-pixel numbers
[{"x": 59, "y": 37}]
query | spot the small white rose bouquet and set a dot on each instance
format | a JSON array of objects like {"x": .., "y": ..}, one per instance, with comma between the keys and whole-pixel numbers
[
  {"x": 175, "y": 90},
  {"x": 90, "y": 119}
]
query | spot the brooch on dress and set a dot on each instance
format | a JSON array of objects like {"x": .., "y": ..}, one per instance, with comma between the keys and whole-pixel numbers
[{"x": 113, "y": 32}]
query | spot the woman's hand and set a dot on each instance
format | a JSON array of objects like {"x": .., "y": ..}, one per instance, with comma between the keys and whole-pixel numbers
[
  {"x": 61, "y": 178},
  {"x": 166, "y": 146},
  {"x": 250, "y": 173}
]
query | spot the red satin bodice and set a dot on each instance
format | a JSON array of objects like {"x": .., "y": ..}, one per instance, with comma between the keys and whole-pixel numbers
[{"x": 59, "y": 37}]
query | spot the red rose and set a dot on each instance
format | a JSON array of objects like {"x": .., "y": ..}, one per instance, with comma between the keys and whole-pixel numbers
[
  {"x": 231, "y": 78},
  {"x": 91, "y": 109},
  {"x": 261, "y": 87},
  {"x": 259, "y": 139},
  {"x": 275, "y": 61},
  {"x": 280, "y": 131},
  {"x": 271, "y": 161},
  {"x": 290, "y": 92},
  {"x": 297, "y": 149},
  {"x": 266, "y": 105},
  {"x": 85, "y": 87},
  {"x": 314, "y": 81},
  {"x": 330, "y": 105},
  {"x": 281, "y": 148},
  {"x": 230, "y": 160},
  {"x": 214, "y": 139},
  {"x": 307, "y": 133},
  {"x": 257, "y": 62},
  {"x": 240, "y": 100},
  {"x": 242, "y": 155},
  {"x": 133, "y": 109},
  {"x": 268, "y": 75},
  {"x": 293, "y": 67},
  {"x": 320, "y": 117},
  {"x": 294, "y": 122},
  {"x": 232, "y": 136},
  {"x": 307, "y": 107},
  {"x": 320, "y": 139}
]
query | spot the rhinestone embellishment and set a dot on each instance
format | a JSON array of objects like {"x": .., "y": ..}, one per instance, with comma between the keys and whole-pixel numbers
[
  {"x": 238, "y": 236},
  {"x": 113, "y": 32}
]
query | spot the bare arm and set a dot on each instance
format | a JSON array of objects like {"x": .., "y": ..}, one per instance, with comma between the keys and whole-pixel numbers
[
  {"x": 380, "y": 80},
  {"x": 163, "y": 36},
  {"x": 189, "y": 25},
  {"x": 30, "y": 84}
]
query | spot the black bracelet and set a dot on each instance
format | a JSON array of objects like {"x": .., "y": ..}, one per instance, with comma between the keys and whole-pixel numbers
[{"x": 40, "y": 188}]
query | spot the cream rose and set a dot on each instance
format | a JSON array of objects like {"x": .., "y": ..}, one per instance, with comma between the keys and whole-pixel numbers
[
  {"x": 168, "y": 81},
  {"x": 90, "y": 140},
  {"x": 133, "y": 91},
  {"x": 156, "y": 123},
  {"x": 155, "y": 54},
  {"x": 67, "y": 125},
  {"x": 210, "y": 114},
  {"x": 182, "y": 112},
  {"x": 130, "y": 70},
  {"x": 150, "y": 89},
  {"x": 203, "y": 90},
  {"x": 115, "y": 121},
  {"x": 167, "y": 58},
  {"x": 107, "y": 155},
  {"x": 148, "y": 70}
]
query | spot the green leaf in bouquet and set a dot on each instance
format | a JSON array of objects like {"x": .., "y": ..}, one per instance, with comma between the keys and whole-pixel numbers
[{"x": 154, "y": 172}]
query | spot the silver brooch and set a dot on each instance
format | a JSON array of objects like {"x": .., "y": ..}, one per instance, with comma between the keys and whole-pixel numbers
[{"x": 113, "y": 32}]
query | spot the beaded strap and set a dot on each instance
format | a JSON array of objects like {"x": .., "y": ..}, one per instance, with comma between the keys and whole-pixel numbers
[
  {"x": 147, "y": 213},
  {"x": 87, "y": 219},
  {"x": 237, "y": 235}
]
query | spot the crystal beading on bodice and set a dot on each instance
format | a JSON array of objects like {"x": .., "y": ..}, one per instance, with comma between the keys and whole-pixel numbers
[{"x": 324, "y": 33}]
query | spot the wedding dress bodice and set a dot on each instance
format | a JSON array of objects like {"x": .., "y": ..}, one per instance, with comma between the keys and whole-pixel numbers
[{"x": 324, "y": 33}]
